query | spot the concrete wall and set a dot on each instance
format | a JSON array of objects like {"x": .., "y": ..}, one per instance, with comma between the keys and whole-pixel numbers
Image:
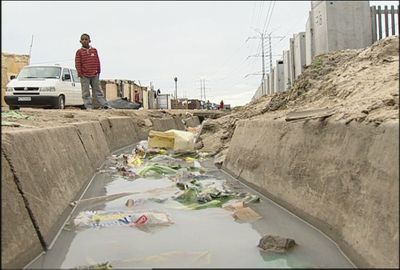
[
  {"x": 258, "y": 92},
  {"x": 146, "y": 99},
  {"x": 272, "y": 81},
  {"x": 341, "y": 25},
  {"x": 57, "y": 173},
  {"x": 164, "y": 101},
  {"x": 152, "y": 100},
  {"x": 291, "y": 55},
  {"x": 299, "y": 53},
  {"x": 286, "y": 70},
  {"x": 266, "y": 83},
  {"x": 331, "y": 26},
  {"x": 110, "y": 90},
  {"x": 278, "y": 77},
  {"x": 11, "y": 64},
  {"x": 344, "y": 179},
  {"x": 20, "y": 242},
  {"x": 310, "y": 43},
  {"x": 43, "y": 170},
  {"x": 127, "y": 90},
  {"x": 191, "y": 121}
]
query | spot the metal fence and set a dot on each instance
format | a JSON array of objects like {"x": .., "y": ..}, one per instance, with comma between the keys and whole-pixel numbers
[{"x": 383, "y": 21}]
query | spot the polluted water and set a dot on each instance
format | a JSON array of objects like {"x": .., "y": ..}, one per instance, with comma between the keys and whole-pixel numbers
[{"x": 153, "y": 207}]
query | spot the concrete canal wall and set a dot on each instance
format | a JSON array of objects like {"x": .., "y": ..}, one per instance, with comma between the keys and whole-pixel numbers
[
  {"x": 43, "y": 170},
  {"x": 344, "y": 179}
]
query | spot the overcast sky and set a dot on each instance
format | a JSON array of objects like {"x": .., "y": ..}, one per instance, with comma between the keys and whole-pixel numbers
[{"x": 157, "y": 41}]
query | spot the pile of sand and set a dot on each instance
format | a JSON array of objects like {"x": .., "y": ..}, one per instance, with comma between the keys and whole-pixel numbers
[{"x": 357, "y": 85}]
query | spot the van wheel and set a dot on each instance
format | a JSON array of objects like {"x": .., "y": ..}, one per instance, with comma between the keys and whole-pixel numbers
[
  {"x": 61, "y": 103},
  {"x": 14, "y": 107}
]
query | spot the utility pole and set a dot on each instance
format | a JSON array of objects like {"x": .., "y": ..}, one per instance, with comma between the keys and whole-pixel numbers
[
  {"x": 176, "y": 87},
  {"x": 204, "y": 89},
  {"x": 201, "y": 89},
  {"x": 270, "y": 52},
  {"x": 263, "y": 36},
  {"x": 263, "y": 65},
  {"x": 30, "y": 51},
  {"x": 270, "y": 48}
]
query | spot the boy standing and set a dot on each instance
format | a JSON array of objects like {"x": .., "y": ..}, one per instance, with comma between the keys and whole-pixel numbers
[{"x": 87, "y": 64}]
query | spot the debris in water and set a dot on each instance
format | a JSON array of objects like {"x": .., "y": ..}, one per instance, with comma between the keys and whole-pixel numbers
[
  {"x": 233, "y": 205},
  {"x": 195, "y": 200},
  {"x": 156, "y": 169},
  {"x": 141, "y": 148},
  {"x": 101, "y": 198},
  {"x": 135, "y": 161},
  {"x": 102, "y": 219},
  {"x": 246, "y": 214},
  {"x": 177, "y": 140},
  {"x": 276, "y": 243},
  {"x": 130, "y": 203},
  {"x": 149, "y": 218},
  {"x": 99, "y": 266}
]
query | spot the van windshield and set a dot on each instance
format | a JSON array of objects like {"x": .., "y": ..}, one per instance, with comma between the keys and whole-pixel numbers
[{"x": 40, "y": 72}]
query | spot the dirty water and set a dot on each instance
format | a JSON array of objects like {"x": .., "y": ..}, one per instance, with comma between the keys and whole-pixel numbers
[{"x": 208, "y": 237}]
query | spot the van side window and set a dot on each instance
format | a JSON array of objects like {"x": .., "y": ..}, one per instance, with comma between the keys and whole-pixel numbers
[
  {"x": 75, "y": 77},
  {"x": 66, "y": 71}
]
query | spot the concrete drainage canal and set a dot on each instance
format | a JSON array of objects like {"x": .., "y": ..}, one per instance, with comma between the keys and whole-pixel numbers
[{"x": 148, "y": 207}]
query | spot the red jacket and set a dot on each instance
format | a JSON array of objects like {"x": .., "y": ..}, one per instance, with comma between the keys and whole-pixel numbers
[{"x": 87, "y": 62}]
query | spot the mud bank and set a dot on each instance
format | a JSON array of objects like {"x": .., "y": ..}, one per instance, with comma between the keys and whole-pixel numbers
[
  {"x": 342, "y": 178},
  {"x": 43, "y": 170}
]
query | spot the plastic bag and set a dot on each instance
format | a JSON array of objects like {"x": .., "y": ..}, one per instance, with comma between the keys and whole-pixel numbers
[
  {"x": 177, "y": 140},
  {"x": 101, "y": 219},
  {"x": 149, "y": 218},
  {"x": 152, "y": 169}
]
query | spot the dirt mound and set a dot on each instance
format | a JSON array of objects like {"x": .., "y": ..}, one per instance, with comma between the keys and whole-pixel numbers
[{"x": 356, "y": 85}]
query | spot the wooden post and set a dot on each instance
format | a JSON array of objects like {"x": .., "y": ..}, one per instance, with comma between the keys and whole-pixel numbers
[
  {"x": 386, "y": 21},
  {"x": 373, "y": 23},
  {"x": 379, "y": 23},
  {"x": 392, "y": 20}
]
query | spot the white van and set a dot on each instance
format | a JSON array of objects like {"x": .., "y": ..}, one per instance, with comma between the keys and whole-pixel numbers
[{"x": 49, "y": 86}]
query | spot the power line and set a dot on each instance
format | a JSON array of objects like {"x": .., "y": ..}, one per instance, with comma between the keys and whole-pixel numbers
[
  {"x": 272, "y": 10},
  {"x": 270, "y": 48},
  {"x": 203, "y": 89},
  {"x": 258, "y": 14},
  {"x": 239, "y": 66},
  {"x": 262, "y": 37},
  {"x": 237, "y": 50},
  {"x": 259, "y": 48},
  {"x": 252, "y": 16},
  {"x": 267, "y": 17}
]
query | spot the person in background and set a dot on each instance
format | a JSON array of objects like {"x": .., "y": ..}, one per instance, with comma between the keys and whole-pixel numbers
[
  {"x": 221, "y": 105},
  {"x": 137, "y": 98},
  {"x": 87, "y": 65}
]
